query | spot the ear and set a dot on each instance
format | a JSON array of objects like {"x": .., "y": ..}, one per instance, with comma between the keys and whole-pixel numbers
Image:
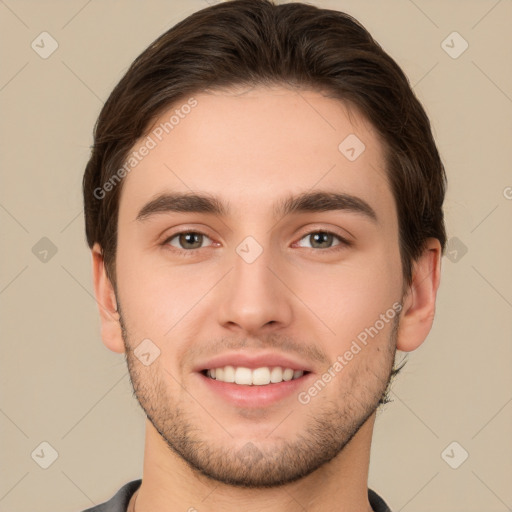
[
  {"x": 420, "y": 300},
  {"x": 111, "y": 333}
]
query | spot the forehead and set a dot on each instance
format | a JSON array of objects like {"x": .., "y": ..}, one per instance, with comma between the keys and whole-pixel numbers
[{"x": 255, "y": 146}]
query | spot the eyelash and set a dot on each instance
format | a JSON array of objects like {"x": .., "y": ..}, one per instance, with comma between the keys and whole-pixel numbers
[{"x": 344, "y": 243}]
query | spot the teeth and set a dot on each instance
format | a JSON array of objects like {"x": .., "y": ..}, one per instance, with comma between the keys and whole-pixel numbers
[
  {"x": 275, "y": 375},
  {"x": 256, "y": 377},
  {"x": 243, "y": 376},
  {"x": 229, "y": 374},
  {"x": 288, "y": 374}
]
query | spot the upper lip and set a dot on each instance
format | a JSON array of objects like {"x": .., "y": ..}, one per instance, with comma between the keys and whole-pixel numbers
[{"x": 254, "y": 360}]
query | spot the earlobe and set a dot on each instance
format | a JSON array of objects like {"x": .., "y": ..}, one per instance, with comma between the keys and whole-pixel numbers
[
  {"x": 419, "y": 303},
  {"x": 111, "y": 333}
]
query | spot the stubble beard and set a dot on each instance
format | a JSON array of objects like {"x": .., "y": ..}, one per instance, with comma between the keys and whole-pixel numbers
[{"x": 278, "y": 460}]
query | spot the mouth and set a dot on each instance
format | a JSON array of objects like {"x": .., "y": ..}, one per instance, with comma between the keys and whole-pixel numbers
[
  {"x": 252, "y": 380},
  {"x": 253, "y": 388},
  {"x": 262, "y": 376}
]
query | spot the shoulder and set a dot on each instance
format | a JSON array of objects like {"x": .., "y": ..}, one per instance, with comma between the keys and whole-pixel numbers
[
  {"x": 118, "y": 502},
  {"x": 376, "y": 502}
]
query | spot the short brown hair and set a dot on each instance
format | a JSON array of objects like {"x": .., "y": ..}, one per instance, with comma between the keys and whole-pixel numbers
[{"x": 255, "y": 42}]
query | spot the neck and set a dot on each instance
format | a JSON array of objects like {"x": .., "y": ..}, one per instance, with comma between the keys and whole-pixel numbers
[{"x": 169, "y": 484}]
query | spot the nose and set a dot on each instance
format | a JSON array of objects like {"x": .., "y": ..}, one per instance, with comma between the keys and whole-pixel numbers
[{"x": 253, "y": 297}]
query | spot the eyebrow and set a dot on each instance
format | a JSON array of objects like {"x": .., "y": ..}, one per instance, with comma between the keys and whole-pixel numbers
[{"x": 317, "y": 201}]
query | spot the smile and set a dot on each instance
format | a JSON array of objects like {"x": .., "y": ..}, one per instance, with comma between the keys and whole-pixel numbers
[{"x": 253, "y": 376}]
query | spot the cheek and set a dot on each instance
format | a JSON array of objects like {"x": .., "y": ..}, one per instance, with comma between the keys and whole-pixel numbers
[
  {"x": 336, "y": 301},
  {"x": 149, "y": 295},
  {"x": 161, "y": 301},
  {"x": 345, "y": 299}
]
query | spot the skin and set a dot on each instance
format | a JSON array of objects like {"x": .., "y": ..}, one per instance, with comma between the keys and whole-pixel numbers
[{"x": 251, "y": 148}]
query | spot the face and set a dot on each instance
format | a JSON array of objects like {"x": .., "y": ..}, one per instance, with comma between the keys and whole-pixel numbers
[{"x": 251, "y": 277}]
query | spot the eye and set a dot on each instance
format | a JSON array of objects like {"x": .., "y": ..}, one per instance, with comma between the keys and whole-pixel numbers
[
  {"x": 187, "y": 240},
  {"x": 322, "y": 239}
]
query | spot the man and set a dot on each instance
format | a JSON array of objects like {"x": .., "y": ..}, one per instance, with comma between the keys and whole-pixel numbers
[{"x": 263, "y": 203}]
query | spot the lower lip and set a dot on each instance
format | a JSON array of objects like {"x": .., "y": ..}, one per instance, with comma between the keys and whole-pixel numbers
[{"x": 255, "y": 396}]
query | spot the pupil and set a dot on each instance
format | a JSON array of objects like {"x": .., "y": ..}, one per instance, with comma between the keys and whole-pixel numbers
[
  {"x": 322, "y": 237},
  {"x": 191, "y": 238}
]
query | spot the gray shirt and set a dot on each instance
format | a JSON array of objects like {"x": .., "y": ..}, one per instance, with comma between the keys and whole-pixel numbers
[{"x": 119, "y": 502}]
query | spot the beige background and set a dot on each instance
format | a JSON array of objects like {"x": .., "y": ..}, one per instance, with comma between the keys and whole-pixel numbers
[{"x": 59, "y": 384}]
